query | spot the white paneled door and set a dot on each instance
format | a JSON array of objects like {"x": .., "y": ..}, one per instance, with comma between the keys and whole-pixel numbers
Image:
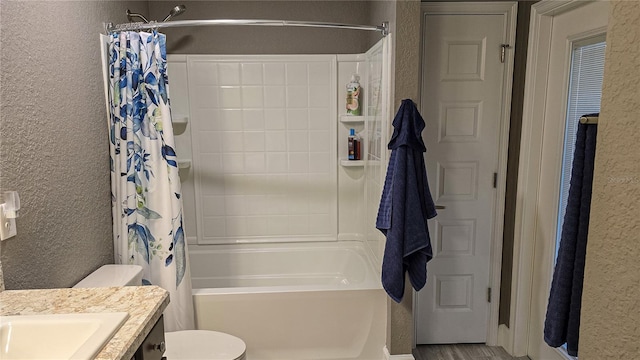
[{"x": 465, "y": 103}]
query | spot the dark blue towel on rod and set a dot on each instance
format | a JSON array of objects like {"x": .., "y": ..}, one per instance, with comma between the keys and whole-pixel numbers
[
  {"x": 405, "y": 206},
  {"x": 562, "y": 322}
]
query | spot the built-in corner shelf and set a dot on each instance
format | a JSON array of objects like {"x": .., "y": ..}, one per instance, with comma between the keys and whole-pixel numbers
[
  {"x": 351, "y": 119},
  {"x": 351, "y": 163},
  {"x": 184, "y": 164},
  {"x": 179, "y": 119}
]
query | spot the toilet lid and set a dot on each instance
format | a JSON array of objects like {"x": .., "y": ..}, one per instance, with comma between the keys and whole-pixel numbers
[{"x": 203, "y": 344}]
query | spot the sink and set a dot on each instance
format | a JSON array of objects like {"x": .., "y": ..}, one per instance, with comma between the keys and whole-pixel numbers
[{"x": 57, "y": 336}]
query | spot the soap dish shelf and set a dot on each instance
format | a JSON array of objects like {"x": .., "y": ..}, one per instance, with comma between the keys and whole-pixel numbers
[
  {"x": 351, "y": 163},
  {"x": 184, "y": 164},
  {"x": 351, "y": 119},
  {"x": 179, "y": 119}
]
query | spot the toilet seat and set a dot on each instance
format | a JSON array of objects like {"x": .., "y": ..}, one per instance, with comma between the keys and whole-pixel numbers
[{"x": 203, "y": 344}]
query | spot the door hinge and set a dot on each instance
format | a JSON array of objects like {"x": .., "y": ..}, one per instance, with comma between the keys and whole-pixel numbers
[
  {"x": 503, "y": 50},
  {"x": 488, "y": 294},
  {"x": 495, "y": 180}
]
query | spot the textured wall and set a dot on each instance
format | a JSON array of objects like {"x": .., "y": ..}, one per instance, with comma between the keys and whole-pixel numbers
[
  {"x": 611, "y": 300},
  {"x": 53, "y": 139},
  {"x": 407, "y": 52},
  {"x": 266, "y": 40},
  {"x": 407, "y": 68},
  {"x": 404, "y": 18}
]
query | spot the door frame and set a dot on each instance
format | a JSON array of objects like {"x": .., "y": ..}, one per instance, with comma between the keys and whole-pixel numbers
[
  {"x": 515, "y": 338},
  {"x": 510, "y": 10}
]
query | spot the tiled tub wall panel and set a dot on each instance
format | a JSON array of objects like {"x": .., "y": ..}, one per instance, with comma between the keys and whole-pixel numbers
[
  {"x": 263, "y": 132},
  {"x": 378, "y": 123},
  {"x": 179, "y": 97},
  {"x": 350, "y": 179}
]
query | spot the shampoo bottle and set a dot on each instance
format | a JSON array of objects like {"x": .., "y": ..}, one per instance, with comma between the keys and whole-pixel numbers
[{"x": 353, "y": 96}]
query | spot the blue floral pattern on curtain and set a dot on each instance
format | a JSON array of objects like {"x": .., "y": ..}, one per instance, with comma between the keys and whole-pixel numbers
[{"x": 145, "y": 186}]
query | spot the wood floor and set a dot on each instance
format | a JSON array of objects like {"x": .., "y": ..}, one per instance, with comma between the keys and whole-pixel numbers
[{"x": 462, "y": 352}]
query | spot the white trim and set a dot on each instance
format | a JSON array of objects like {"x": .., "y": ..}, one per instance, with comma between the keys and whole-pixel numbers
[
  {"x": 515, "y": 338},
  {"x": 556, "y": 7},
  {"x": 510, "y": 10},
  {"x": 387, "y": 356},
  {"x": 351, "y": 57},
  {"x": 470, "y": 8},
  {"x": 503, "y": 152},
  {"x": 504, "y": 339},
  {"x": 527, "y": 188},
  {"x": 528, "y": 176}
]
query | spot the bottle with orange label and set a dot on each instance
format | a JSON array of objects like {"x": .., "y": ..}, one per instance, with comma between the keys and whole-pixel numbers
[{"x": 353, "y": 96}]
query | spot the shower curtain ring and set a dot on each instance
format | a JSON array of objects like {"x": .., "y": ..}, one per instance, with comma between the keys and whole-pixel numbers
[{"x": 154, "y": 26}]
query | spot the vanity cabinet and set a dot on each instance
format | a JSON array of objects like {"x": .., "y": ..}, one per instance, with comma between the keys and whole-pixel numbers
[{"x": 153, "y": 345}]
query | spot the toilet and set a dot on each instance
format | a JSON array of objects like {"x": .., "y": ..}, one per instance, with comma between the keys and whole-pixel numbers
[{"x": 181, "y": 345}]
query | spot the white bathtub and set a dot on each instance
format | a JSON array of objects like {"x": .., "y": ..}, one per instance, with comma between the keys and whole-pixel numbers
[{"x": 292, "y": 301}]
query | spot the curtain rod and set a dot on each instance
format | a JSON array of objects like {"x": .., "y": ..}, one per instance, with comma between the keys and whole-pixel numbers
[
  {"x": 589, "y": 119},
  {"x": 110, "y": 28}
]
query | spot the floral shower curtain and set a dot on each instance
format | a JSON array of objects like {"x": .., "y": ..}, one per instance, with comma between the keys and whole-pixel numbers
[{"x": 145, "y": 187}]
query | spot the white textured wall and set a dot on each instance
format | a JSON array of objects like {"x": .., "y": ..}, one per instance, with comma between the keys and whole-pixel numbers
[
  {"x": 610, "y": 319},
  {"x": 53, "y": 139}
]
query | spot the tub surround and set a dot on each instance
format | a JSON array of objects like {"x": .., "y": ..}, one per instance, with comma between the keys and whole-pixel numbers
[
  {"x": 144, "y": 304},
  {"x": 279, "y": 236}
]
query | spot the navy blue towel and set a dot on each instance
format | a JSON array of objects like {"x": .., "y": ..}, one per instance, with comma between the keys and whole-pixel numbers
[
  {"x": 562, "y": 322},
  {"x": 405, "y": 206}
]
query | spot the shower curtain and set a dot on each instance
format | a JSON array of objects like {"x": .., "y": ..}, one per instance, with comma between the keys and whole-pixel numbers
[{"x": 145, "y": 187}]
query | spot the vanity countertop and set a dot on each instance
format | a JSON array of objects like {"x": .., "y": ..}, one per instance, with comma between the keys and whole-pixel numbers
[{"x": 144, "y": 304}]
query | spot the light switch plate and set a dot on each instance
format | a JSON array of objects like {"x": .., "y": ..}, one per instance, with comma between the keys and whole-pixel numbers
[{"x": 7, "y": 226}]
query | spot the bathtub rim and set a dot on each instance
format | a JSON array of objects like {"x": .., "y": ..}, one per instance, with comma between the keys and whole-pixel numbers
[{"x": 373, "y": 281}]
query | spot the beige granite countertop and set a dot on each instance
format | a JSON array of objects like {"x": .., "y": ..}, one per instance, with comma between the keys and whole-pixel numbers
[{"x": 144, "y": 304}]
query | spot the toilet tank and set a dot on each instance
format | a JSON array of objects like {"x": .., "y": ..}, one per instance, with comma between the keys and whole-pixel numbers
[{"x": 113, "y": 275}]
